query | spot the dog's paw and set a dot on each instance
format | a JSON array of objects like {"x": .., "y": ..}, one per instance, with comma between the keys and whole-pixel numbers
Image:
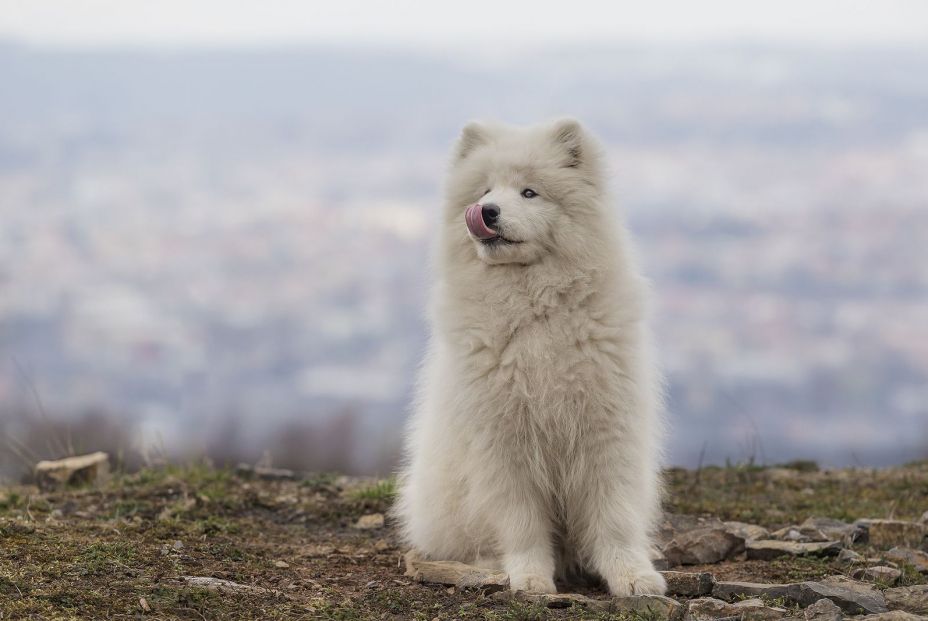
[
  {"x": 637, "y": 581},
  {"x": 532, "y": 583}
]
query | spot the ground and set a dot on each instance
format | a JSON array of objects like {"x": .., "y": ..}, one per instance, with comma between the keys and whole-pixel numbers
[{"x": 120, "y": 550}]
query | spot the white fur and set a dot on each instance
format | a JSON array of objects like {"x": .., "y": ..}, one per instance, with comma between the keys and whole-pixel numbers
[{"x": 535, "y": 439}]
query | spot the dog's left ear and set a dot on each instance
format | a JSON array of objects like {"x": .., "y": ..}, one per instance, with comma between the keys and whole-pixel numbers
[{"x": 568, "y": 134}]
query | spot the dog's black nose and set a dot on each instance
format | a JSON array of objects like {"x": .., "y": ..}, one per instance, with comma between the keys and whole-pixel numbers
[{"x": 490, "y": 213}]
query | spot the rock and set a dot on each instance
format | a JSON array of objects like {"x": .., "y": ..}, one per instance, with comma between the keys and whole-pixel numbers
[
  {"x": 688, "y": 584},
  {"x": 746, "y": 531},
  {"x": 647, "y": 607},
  {"x": 924, "y": 518},
  {"x": 92, "y": 468},
  {"x": 852, "y": 597},
  {"x": 370, "y": 521},
  {"x": 880, "y": 574},
  {"x": 828, "y": 529},
  {"x": 895, "y": 615},
  {"x": 789, "y": 533},
  {"x": 849, "y": 557},
  {"x": 262, "y": 472},
  {"x": 768, "y": 549},
  {"x": 916, "y": 558},
  {"x": 702, "y": 546},
  {"x": 453, "y": 573},
  {"x": 891, "y": 533},
  {"x": 281, "y": 564},
  {"x": 823, "y": 610},
  {"x": 731, "y": 591},
  {"x": 143, "y": 604},
  {"x": 707, "y": 608},
  {"x": 223, "y": 586},
  {"x": 912, "y": 599}
]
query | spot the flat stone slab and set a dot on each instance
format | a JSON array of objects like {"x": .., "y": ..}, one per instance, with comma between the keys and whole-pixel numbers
[
  {"x": 688, "y": 583},
  {"x": 452, "y": 573},
  {"x": 768, "y": 549},
  {"x": 746, "y": 531},
  {"x": 879, "y": 574},
  {"x": 916, "y": 558},
  {"x": 224, "y": 586},
  {"x": 894, "y": 615},
  {"x": 730, "y": 591},
  {"x": 92, "y": 468},
  {"x": 912, "y": 599},
  {"x": 892, "y": 533},
  {"x": 853, "y": 598},
  {"x": 709, "y": 608},
  {"x": 268, "y": 474}
]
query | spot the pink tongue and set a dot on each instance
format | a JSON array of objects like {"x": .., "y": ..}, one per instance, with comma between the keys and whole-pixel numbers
[{"x": 474, "y": 219}]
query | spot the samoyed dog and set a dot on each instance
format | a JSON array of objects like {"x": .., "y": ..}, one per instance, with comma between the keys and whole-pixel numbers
[{"x": 534, "y": 445}]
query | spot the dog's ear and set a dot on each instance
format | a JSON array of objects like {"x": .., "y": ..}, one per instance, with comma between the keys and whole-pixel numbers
[
  {"x": 569, "y": 136},
  {"x": 472, "y": 136}
]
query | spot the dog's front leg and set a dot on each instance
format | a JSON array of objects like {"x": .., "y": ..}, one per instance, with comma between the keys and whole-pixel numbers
[{"x": 523, "y": 533}]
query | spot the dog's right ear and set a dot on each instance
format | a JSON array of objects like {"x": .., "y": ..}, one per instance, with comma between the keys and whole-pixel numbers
[{"x": 472, "y": 136}]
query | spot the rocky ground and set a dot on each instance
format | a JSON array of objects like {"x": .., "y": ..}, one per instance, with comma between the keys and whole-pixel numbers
[{"x": 197, "y": 542}]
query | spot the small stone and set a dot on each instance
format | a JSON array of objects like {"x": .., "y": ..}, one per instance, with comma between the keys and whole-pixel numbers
[
  {"x": 143, "y": 604},
  {"x": 178, "y": 546},
  {"x": 281, "y": 564},
  {"x": 891, "y": 533},
  {"x": 823, "y": 610},
  {"x": 92, "y": 468},
  {"x": 655, "y": 607},
  {"x": 828, "y": 529},
  {"x": 766, "y": 550},
  {"x": 853, "y": 598},
  {"x": 564, "y": 600},
  {"x": 731, "y": 591},
  {"x": 702, "y": 546},
  {"x": 708, "y": 608},
  {"x": 381, "y": 545},
  {"x": 222, "y": 586},
  {"x": 452, "y": 573},
  {"x": 849, "y": 557},
  {"x": 879, "y": 574},
  {"x": 688, "y": 584},
  {"x": 370, "y": 521},
  {"x": 266, "y": 473},
  {"x": 746, "y": 531},
  {"x": 916, "y": 558},
  {"x": 924, "y": 518},
  {"x": 912, "y": 599}
]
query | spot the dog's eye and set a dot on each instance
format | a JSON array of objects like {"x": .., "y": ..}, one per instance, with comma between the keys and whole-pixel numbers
[{"x": 529, "y": 193}]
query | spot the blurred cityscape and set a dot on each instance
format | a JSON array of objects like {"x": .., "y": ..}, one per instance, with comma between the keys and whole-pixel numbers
[{"x": 226, "y": 251}]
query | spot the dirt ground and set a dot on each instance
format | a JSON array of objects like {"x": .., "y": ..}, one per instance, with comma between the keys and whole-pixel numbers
[{"x": 123, "y": 549}]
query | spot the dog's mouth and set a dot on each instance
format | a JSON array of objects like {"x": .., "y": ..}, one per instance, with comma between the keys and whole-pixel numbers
[{"x": 499, "y": 240}]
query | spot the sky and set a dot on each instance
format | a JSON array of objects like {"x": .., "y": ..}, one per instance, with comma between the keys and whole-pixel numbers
[{"x": 414, "y": 23}]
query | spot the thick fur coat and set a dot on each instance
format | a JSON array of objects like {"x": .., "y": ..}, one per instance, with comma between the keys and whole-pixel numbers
[{"x": 534, "y": 444}]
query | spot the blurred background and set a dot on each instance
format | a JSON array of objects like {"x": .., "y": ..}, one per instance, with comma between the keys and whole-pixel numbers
[{"x": 215, "y": 217}]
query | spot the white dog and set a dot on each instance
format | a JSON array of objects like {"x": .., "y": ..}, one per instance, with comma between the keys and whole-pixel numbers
[{"x": 534, "y": 445}]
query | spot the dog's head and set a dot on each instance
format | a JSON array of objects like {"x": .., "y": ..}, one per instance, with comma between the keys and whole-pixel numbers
[{"x": 516, "y": 195}]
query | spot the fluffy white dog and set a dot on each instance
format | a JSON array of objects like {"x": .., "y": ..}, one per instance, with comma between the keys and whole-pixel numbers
[{"x": 534, "y": 445}]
